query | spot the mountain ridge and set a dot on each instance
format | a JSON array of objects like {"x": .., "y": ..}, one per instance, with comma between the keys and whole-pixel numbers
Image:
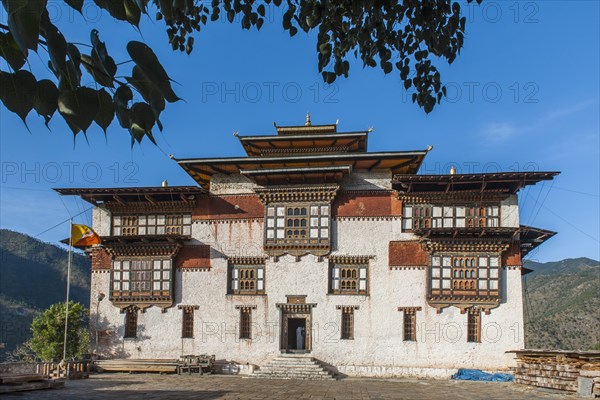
[
  {"x": 561, "y": 299},
  {"x": 32, "y": 277}
]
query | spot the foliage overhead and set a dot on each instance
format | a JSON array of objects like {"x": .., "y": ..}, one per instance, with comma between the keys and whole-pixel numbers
[
  {"x": 48, "y": 332},
  {"x": 406, "y": 36}
]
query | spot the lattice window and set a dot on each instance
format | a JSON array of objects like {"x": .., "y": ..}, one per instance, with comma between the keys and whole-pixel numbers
[
  {"x": 349, "y": 279},
  {"x": 297, "y": 223},
  {"x": 152, "y": 224},
  {"x": 247, "y": 279},
  {"x": 141, "y": 278},
  {"x": 468, "y": 275},
  {"x": 410, "y": 325},
  {"x": 347, "y": 331},
  {"x": 187, "y": 326},
  {"x": 129, "y": 225},
  {"x": 430, "y": 216},
  {"x": 245, "y": 323},
  {"x": 474, "y": 326},
  {"x": 131, "y": 322}
]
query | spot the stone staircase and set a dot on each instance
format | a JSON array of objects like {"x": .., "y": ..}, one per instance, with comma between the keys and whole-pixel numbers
[{"x": 293, "y": 367}]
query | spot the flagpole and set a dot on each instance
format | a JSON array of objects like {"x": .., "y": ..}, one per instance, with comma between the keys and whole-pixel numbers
[{"x": 68, "y": 288}]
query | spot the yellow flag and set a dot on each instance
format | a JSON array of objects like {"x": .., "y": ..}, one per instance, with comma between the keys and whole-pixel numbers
[{"x": 83, "y": 235}]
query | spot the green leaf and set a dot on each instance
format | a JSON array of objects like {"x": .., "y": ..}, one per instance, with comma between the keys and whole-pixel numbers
[
  {"x": 142, "y": 5},
  {"x": 24, "y": 18},
  {"x": 46, "y": 100},
  {"x": 96, "y": 71},
  {"x": 328, "y": 77},
  {"x": 387, "y": 67},
  {"x": 142, "y": 121},
  {"x": 116, "y": 8},
  {"x": 74, "y": 54},
  {"x": 57, "y": 47},
  {"x": 325, "y": 49},
  {"x": 76, "y": 4},
  {"x": 12, "y": 6},
  {"x": 106, "y": 110},
  {"x": 166, "y": 8},
  {"x": 123, "y": 95},
  {"x": 100, "y": 55},
  {"x": 190, "y": 45},
  {"x": 70, "y": 77},
  {"x": 149, "y": 92},
  {"x": 18, "y": 92},
  {"x": 9, "y": 50},
  {"x": 144, "y": 57},
  {"x": 132, "y": 12},
  {"x": 312, "y": 21},
  {"x": 79, "y": 108}
]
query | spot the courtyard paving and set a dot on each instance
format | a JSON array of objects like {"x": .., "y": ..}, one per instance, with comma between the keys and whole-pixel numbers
[{"x": 163, "y": 387}]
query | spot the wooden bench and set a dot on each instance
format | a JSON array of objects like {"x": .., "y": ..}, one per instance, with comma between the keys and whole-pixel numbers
[{"x": 137, "y": 365}]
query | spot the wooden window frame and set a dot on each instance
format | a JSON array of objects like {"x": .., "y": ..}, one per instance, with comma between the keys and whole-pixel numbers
[
  {"x": 141, "y": 277},
  {"x": 459, "y": 216},
  {"x": 246, "y": 279},
  {"x": 474, "y": 326},
  {"x": 246, "y": 323},
  {"x": 355, "y": 284},
  {"x": 470, "y": 275},
  {"x": 152, "y": 224},
  {"x": 347, "y": 324},
  {"x": 409, "y": 325},
  {"x": 285, "y": 224},
  {"x": 131, "y": 323},
  {"x": 187, "y": 323}
]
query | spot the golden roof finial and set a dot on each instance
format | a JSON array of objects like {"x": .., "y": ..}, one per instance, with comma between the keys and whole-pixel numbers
[{"x": 307, "y": 119}]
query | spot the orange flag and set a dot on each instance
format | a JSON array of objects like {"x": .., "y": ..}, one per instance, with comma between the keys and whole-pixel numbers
[{"x": 83, "y": 235}]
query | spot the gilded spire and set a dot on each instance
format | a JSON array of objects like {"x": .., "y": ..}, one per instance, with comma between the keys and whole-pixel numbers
[{"x": 307, "y": 119}]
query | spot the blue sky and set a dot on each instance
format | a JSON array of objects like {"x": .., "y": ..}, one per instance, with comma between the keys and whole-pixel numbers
[{"x": 523, "y": 95}]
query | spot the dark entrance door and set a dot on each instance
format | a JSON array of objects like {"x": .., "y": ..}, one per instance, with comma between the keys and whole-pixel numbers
[{"x": 296, "y": 338}]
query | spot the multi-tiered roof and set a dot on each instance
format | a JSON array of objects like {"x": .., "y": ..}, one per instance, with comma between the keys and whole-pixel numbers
[{"x": 303, "y": 154}]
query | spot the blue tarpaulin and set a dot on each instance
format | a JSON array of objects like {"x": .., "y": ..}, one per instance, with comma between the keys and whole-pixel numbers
[{"x": 479, "y": 375}]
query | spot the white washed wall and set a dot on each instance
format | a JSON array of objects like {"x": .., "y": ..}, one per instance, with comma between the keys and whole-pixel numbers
[
  {"x": 378, "y": 348},
  {"x": 101, "y": 221},
  {"x": 509, "y": 212}
]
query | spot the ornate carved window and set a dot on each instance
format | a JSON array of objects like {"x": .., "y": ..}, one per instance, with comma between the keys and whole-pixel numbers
[
  {"x": 246, "y": 278},
  {"x": 152, "y": 224},
  {"x": 349, "y": 278},
  {"x": 131, "y": 322},
  {"x": 429, "y": 216},
  {"x": 474, "y": 275},
  {"x": 474, "y": 326},
  {"x": 143, "y": 278},
  {"x": 300, "y": 223}
]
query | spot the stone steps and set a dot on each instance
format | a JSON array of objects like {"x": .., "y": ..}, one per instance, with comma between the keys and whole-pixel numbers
[{"x": 293, "y": 367}]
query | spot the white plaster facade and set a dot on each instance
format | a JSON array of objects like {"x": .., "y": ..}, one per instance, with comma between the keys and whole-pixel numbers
[{"x": 378, "y": 348}]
